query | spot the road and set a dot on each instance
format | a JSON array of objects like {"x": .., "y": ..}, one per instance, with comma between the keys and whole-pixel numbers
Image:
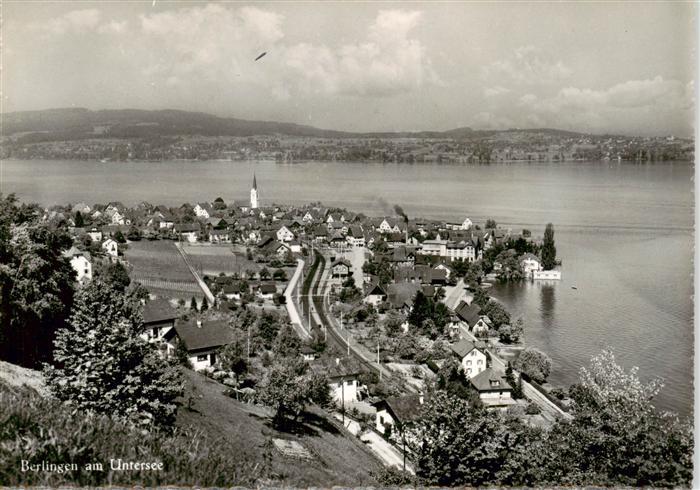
[
  {"x": 386, "y": 452},
  {"x": 453, "y": 299},
  {"x": 200, "y": 282},
  {"x": 291, "y": 306}
]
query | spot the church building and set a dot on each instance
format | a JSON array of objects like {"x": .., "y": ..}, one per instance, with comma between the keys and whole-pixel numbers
[{"x": 254, "y": 194}]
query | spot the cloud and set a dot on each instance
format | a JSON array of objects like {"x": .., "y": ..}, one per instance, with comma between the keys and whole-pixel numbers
[
  {"x": 78, "y": 22},
  {"x": 528, "y": 65},
  {"x": 113, "y": 27},
  {"x": 388, "y": 62},
  {"x": 495, "y": 91},
  {"x": 641, "y": 103},
  {"x": 214, "y": 41},
  {"x": 73, "y": 21}
]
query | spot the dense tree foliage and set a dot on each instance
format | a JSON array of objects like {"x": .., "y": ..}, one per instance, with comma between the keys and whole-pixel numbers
[
  {"x": 36, "y": 284},
  {"x": 616, "y": 438},
  {"x": 232, "y": 356},
  {"x": 288, "y": 387},
  {"x": 549, "y": 251},
  {"x": 101, "y": 363},
  {"x": 534, "y": 363},
  {"x": 428, "y": 315}
]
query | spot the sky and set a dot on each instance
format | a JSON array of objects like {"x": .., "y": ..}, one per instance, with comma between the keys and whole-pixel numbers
[{"x": 625, "y": 68}]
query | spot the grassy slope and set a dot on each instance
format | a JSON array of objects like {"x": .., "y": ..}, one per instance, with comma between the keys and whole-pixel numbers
[
  {"x": 223, "y": 442},
  {"x": 339, "y": 459}
]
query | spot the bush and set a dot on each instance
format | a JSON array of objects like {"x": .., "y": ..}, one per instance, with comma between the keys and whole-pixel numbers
[{"x": 532, "y": 409}]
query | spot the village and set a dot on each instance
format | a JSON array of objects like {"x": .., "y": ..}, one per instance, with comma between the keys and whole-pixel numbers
[{"x": 386, "y": 309}]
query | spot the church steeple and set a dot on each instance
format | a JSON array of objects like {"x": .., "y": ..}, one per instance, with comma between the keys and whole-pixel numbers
[{"x": 254, "y": 193}]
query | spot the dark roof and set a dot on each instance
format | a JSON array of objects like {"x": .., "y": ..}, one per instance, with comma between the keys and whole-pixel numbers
[
  {"x": 341, "y": 262},
  {"x": 268, "y": 288},
  {"x": 375, "y": 289},
  {"x": 464, "y": 347},
  {"x": 468, "y": 313},
  {"x": 483, "y": 381},
  {"x": 404, "y": 408},
  {"x": 158, "y": 310},
  {"x": 210, "y": 334},
  {"x": 402, "y": 293}
]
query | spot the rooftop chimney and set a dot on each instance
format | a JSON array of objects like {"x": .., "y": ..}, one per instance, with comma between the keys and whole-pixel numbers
[
  {"x": 199, "y": 323},
  {"x": 420, "y": 397}
]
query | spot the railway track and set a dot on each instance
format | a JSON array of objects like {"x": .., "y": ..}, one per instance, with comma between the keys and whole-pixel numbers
[{"x": 317, "y": 299}]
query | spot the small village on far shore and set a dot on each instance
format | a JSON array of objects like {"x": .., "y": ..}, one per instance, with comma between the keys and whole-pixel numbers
[{"x": 382, "y": 307}]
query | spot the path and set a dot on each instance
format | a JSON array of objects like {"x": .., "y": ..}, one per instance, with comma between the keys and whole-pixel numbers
[
  {"x": 386, "y": 452},
  {"x": 291, "y": 305},
  {"x": 452, "y": 300},
  {"x": 202, "y": 285}
]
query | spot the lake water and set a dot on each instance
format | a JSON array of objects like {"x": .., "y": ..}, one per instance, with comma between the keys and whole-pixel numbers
[{"x": 624, "y": 233}]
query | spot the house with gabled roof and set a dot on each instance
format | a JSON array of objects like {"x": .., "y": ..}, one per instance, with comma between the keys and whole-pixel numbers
[
  {"x": 158, "y": 319},
  {"x": 341, "y": 268},
  {"x": 471, "y": 356},
  {"x": 81, "y": 262},
  {"x": 375, "y": 294},
  {"x": 493, "y": 388},
  {"x": 396, "y": 413},
  {"x": 202, "y": 340},
  {"x": 471, "y": 315},
  {"x": 343, "y": 378},
  {"x": 203, "y": 210}
]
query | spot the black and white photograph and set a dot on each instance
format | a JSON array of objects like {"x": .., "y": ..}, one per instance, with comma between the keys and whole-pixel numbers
[{"x": 352, "y": 244}]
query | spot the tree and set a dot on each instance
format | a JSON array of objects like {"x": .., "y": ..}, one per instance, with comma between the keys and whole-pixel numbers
[
  {"x": 205, "y": 304},
  {"x": 268, "y": 327},
  {"x": 101, "y": 364},
  {"x": 617, "y": 437},
  {"x": 497, "y": 313},
  {"x": 549, "y": 251},
  {"x": 287, "y": 343},
  {"x": 193, "y": 304},
  {"x": 457, "y": 445},
  {"x": 134, "y": 234},
  {"x": 392, "y": 323},
  {"x": 279, "y": 275},
  {"x": 286, "y": 388},
  {"x": 264, "y": 273},
  {"x": 515, "y": 384},
  {"x": 511, "y": 334},
  {"x": 534, "y": 363},
  {"x": 490, "y": 224},
  {"x": 36, "y": 284},
  {"x": 233, "y": 356},
  {"x": 117, "y": 274},
  {"x": 119, "y": 237},
  {"x": 79, "y": 221},
  {"x": 481, "y": 297}
]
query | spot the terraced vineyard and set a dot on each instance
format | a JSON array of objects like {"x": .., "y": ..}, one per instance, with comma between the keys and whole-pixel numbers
[
  {"x": 212, "y": 260},
  {"x": 160, "y": 268}
]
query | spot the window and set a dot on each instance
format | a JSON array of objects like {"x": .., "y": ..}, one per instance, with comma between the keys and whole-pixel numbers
[
  {"x": 469, "y": 363},
  {"x": 479, "y": 362},
  {"x": 202, "y": 358},
  {"x": 381, "y": 420}
]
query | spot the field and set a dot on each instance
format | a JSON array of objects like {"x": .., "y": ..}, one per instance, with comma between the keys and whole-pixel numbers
[
  {"x": 161, "y": 269},
  {"x": 211, "y": 260}
]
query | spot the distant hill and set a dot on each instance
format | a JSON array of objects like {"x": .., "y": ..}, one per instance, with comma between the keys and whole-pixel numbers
[{"x": 79, "y": 123}]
